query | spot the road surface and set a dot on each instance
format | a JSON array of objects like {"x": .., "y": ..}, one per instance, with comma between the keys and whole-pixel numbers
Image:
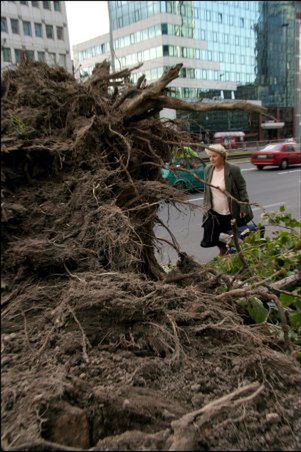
[{"x": 270, "y": 188}]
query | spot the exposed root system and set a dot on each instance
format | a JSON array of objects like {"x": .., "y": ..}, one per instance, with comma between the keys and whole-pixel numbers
[{"x": 101, "y": 350}]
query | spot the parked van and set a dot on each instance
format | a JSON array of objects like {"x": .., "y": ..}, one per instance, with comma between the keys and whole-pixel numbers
[{"x": 230, "y": 140}]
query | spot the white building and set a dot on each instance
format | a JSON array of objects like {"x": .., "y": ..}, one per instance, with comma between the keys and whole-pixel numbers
[
  {"x": 39, "y": 28},
  {"x": 88, "y": 53}
]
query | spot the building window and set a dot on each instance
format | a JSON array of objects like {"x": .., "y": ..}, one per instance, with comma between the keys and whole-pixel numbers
[
  {"x": 62, "y": 60},
  {"x": 237, "y": 40},
  {"x": 137, "y": 15},
  {"x": 204, "y": 74},
  {"x": 186, "y": 92},
  {"x": 163, "y": 7},
  {"x": 26, "y": 28},
  {"x": 46, "y": 5},
  {"x": 60, "y": 33},
  {"x": 41, "y": 56},
  {"x": 208, "y": 15},
  {"x": 6, "y": 54},
  {"x": 38, "y": 30},
  {"x": 51, "y": 57},
  {"x": 214, "y": 36},
  {"x": 29, "y": 54},
  {"x": 231, "y": 20},
  {"x": 220, "y": 18},
  {"x": 18, "y": 55},
  {"x": 164, "y": 29},
  {"x": 14, "y": 26},
  {"x": 49, "y": 32},
  {"x": 184, "y": 52},
  {"x": 242, "y": 22},
  {"x": 35, "y": 4},
  {"x": 165, "y": 50},
  {"x": 24, "y": 3},
  {"x": 57, "y": 6},
  {"x": 4, "y": 24}
]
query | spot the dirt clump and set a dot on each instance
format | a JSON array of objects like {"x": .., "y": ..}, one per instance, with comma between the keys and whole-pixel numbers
[{"x": 100, "y": 350}]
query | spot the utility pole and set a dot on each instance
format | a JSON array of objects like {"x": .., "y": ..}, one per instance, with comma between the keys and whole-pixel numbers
[{"x": 111, "y": 39}]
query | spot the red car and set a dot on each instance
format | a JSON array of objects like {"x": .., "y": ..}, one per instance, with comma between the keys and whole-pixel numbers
[{"x": 277, "y": 154}]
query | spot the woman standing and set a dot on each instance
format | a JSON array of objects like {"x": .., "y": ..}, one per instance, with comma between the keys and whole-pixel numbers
[{"x": 220, "y": 209}]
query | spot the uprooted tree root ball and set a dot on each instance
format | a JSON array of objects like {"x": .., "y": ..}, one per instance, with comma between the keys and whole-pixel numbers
[{"x": 101, "y": 350}]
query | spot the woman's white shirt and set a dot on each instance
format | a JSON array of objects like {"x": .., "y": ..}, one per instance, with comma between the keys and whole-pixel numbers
[{"x": 220, "y": 202}]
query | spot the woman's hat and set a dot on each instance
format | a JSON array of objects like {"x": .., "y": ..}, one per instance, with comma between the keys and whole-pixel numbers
[{"x": 219, "y": 149}]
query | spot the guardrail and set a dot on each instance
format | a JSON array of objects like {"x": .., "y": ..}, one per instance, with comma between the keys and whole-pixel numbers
[
  {"x": 234, "y": 155},
  {"x": 258, "y": 145},
  {"x": 247, "y": 148}
]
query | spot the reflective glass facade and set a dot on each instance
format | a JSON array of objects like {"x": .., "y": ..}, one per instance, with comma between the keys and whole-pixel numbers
[
  {"x": 125, "y": 13},
  {"x": 276, "y": 52},
  {"x": 225, "y": 30},
  {"x": 229, "y": 49}
]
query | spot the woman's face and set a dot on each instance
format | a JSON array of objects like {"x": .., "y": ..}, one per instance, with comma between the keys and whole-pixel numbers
[{"x": 216, "y": 159}]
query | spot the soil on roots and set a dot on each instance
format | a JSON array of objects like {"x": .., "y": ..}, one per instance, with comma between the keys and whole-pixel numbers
[{"x": 99, "y": 350}]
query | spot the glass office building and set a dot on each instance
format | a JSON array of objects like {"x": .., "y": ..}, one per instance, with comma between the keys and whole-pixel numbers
[
  {"x": 215, "y": 41},
  {"x": 229, "y": 50},
  {"x": 276, "y": 52}
]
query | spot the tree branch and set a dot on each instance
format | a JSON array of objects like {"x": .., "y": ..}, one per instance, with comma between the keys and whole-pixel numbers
[{"x": 178, "y": 104}]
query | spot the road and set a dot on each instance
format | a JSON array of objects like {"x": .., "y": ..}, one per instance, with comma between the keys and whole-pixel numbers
[{"x": 270, "y": 188}]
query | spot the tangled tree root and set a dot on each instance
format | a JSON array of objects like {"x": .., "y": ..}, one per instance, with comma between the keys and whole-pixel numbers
[{"x": 101, "y": 349}]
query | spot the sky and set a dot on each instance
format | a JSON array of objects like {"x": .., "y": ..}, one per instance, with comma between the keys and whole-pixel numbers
[{"x": 86, "y": 20}]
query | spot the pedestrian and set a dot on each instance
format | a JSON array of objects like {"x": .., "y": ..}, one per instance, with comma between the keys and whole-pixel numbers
[{"x": 219, "y": 209}]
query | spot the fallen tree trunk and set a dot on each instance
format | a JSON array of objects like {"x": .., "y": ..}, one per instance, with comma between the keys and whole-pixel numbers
[{"x": 289, "y": 283}]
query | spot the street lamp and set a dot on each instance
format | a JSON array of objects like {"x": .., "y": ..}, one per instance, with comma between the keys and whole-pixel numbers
[{"x": 111, "y": 39}]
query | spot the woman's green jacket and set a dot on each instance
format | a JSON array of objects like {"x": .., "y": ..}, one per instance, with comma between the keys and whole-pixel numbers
[{"x": 235, "y": 184}]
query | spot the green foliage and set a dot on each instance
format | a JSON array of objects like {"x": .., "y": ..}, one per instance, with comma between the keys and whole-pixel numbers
[
  {"x": 255, "y": 308},
  {"x": 274, "y": 257},
  {"x": 298, "y": 357},
  {"x": 17, "y": 124},
  {"x": 287, "y": 300},
  {"x": 266, "y": 256},
  {"x": 281, "y": 217},
  {"x": 295, "y": 320}
]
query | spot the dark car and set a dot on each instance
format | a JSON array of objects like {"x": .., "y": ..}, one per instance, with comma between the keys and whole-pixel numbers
[{"x": 277, "y": 154}]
